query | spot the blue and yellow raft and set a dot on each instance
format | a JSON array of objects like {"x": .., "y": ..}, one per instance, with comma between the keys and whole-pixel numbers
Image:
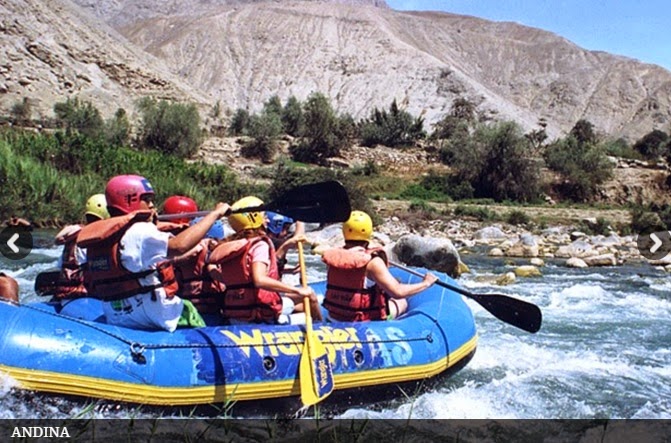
[{"x": 46, "y": 350}]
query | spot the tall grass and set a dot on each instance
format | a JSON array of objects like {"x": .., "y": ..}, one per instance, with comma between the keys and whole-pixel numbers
[{"x": 47, "y": 178}]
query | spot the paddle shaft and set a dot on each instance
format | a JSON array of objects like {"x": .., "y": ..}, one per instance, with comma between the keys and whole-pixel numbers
[{"x": 516, "y": 312}]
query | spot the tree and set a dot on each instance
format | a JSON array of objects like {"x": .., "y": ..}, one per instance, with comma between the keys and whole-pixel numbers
[
  {"x": 324, "y": 133},
  {"x": 293, "y": 119},
  {"x": 583, "y": 166},
  {"x": 239, "y": 122},
  {"x": 652, "y": 145},
  {"x": 264, "y": 128},
  {"x": 21, "y": 112},
  {"x": 394, "y": 128},
  {"x": 172, "y": 128},
  {"x": 117, "y": 129},
  {"x": 496, "y": 162},
  {"x": 583, "y": 131},
  {"x": 80, "y": 116}
]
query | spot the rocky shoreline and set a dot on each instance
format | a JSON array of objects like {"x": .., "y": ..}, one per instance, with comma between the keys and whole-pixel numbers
[{"x": 441, "y": 244}]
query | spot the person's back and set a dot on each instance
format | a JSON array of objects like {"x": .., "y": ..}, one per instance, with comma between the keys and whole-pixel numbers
[
  {"x": 70, "y": 283},
  {"x": 246, "y": 268},
  {"x": 359, "y": 284}
]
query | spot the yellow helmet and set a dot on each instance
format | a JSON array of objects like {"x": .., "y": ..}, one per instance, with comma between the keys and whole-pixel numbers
[
  {"x": 358, "y": 227},
  {"x": 96, "y": 205},
  {"x": 246, "y": 220}
]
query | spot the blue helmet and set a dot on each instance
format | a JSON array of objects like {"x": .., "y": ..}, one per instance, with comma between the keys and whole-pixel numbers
[
  {"x": 216, "y": 231},
  {"x": 277, "y": 221}
]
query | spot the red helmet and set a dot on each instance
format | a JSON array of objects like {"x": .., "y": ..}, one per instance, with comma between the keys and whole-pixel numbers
[
  {"x": 178, "y": 204},
  {"x": 124, "y": 192}
]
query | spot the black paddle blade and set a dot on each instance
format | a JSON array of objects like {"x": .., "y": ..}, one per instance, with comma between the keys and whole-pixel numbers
[
  {"x": 513, "y": 311},
  {"x": 324, "y": 202},
  {"x": 47, "y": 282}
]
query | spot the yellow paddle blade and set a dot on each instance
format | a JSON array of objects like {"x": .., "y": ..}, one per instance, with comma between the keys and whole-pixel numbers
[{"x": 315, "y": 373}]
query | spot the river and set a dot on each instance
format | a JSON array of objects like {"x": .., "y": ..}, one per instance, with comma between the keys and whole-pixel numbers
[{"x": 604, "y": 351}]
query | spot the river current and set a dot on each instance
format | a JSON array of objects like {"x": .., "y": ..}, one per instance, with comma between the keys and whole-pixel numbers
[{"x": 604, "y": 350}]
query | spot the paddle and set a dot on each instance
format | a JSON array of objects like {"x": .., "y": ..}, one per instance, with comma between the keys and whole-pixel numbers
[
  {"x": 315, "y": 371},
  {"x": 323, "y": 202},
  {"x": 47, "y": 282},
  {"x": 513, "y": 311}
]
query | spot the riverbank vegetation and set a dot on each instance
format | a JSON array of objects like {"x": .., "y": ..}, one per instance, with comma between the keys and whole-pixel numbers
[{"x": 48, "y": 174}]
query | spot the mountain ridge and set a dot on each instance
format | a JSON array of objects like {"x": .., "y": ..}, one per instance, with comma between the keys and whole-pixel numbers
[{"x": 361, "y": 54}]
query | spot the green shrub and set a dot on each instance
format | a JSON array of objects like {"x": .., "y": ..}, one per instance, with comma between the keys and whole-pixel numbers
[
  {"x": 239, "y": 122},
  {"x": 324, "y": 134},
  {"x": 81, "y": 116},
  {"x": 393, "y": 128},
  {"x": 652, "y": 144},
  {"x": 172, "y": 128},
  {"x": 293, "y": 119},
  {"x": 517, "y": 218},
  {"x": 421, "y": 206},
  {"x": 479, "y": 213},
  {"x": 265, "y": 129},
  {"x": 495, "y": 161},
  {"x": 583, "y": 166}
]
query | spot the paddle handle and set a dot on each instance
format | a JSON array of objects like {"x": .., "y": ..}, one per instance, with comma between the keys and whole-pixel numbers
[{"x": 304, "y": 283}]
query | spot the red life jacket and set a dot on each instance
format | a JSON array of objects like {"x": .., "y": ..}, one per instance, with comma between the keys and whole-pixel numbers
[
  {"x": 104, "y": 275},
  {"x": 347, "y": 298},
  {"x": 241, "y": 300},
  {"x": 195, "y": 283},
  {"x": 70, "y": 283}
]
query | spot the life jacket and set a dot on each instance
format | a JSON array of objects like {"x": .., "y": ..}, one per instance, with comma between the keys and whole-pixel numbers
[
  {"x": 347, "y": 298},
  {"x": 241, "y": 300},
  {"x": 195, "y": 283},
  {"x": 104, "y": 275},
  {"x": 70, "y": 283}
]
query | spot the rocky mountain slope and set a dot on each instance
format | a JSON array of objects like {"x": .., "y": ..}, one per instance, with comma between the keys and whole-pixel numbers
[{"x": 361, "y": 53}]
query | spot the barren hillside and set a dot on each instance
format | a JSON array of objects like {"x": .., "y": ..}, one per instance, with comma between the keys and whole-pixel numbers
[
  {"x": 51, "y": 50},
  {"x": 361, "y": 53},
  {"x": 364, "y": 56}
]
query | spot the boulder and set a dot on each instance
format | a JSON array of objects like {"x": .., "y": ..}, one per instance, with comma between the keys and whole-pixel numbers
[
  {"x": 527, "y": 271},
  {"x": 601, "y": 260},
  {"x": 428, "y": 252},
  {"x": 506, "y": 279},
  {"x": 575, "y": 262}
]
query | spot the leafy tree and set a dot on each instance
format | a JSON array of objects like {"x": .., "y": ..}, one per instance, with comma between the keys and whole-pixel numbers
[
  {"x": 21, "y": 112},
  {"x": 80, "y": 116},
  {"x": 117, "y": 129},
  {"x": 652, "y": 145},
  {"x": 239, "y": 122},
  {"x": 584, "y": 132},
  {"x": 293, "y": 119},
  {"x": 496, "y": 162},
  {"x": 457, "y": 122},
  {"x": 273, "y": 106},
  {"x": 264, "y": 128},
  {"x": 394, "y": 128},
  {"x": 583, "y": 166},
  {"x": 172, "y": 128},
  {"x": 324, "y": 134}
]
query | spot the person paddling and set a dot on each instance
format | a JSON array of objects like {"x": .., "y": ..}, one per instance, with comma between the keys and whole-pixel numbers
[
  {"x": 359, "y": 285},
  {"x": 246, "y": 267},
  {"x": 128, "y": 259}
]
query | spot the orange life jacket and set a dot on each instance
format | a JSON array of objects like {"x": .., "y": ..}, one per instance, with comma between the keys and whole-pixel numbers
[
  {"x": 195, "y": 283},
  {"x": 104, "y": 275},
  {"x": 70, "y": 283},
  {"x": 241, "y": 300},
  {"x": 347, "y": 298}
]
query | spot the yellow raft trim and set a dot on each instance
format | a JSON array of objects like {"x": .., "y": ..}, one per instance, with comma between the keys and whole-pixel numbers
[{"x": 68, "y": 384}]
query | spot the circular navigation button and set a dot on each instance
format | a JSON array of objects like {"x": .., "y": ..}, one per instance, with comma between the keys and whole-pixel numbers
[
  {"x": 654, "y": 245},
  {"x": 16, "y": 242}
]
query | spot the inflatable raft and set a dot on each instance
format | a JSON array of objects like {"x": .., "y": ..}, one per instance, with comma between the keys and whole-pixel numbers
[{"x": 72, "y": 351}]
